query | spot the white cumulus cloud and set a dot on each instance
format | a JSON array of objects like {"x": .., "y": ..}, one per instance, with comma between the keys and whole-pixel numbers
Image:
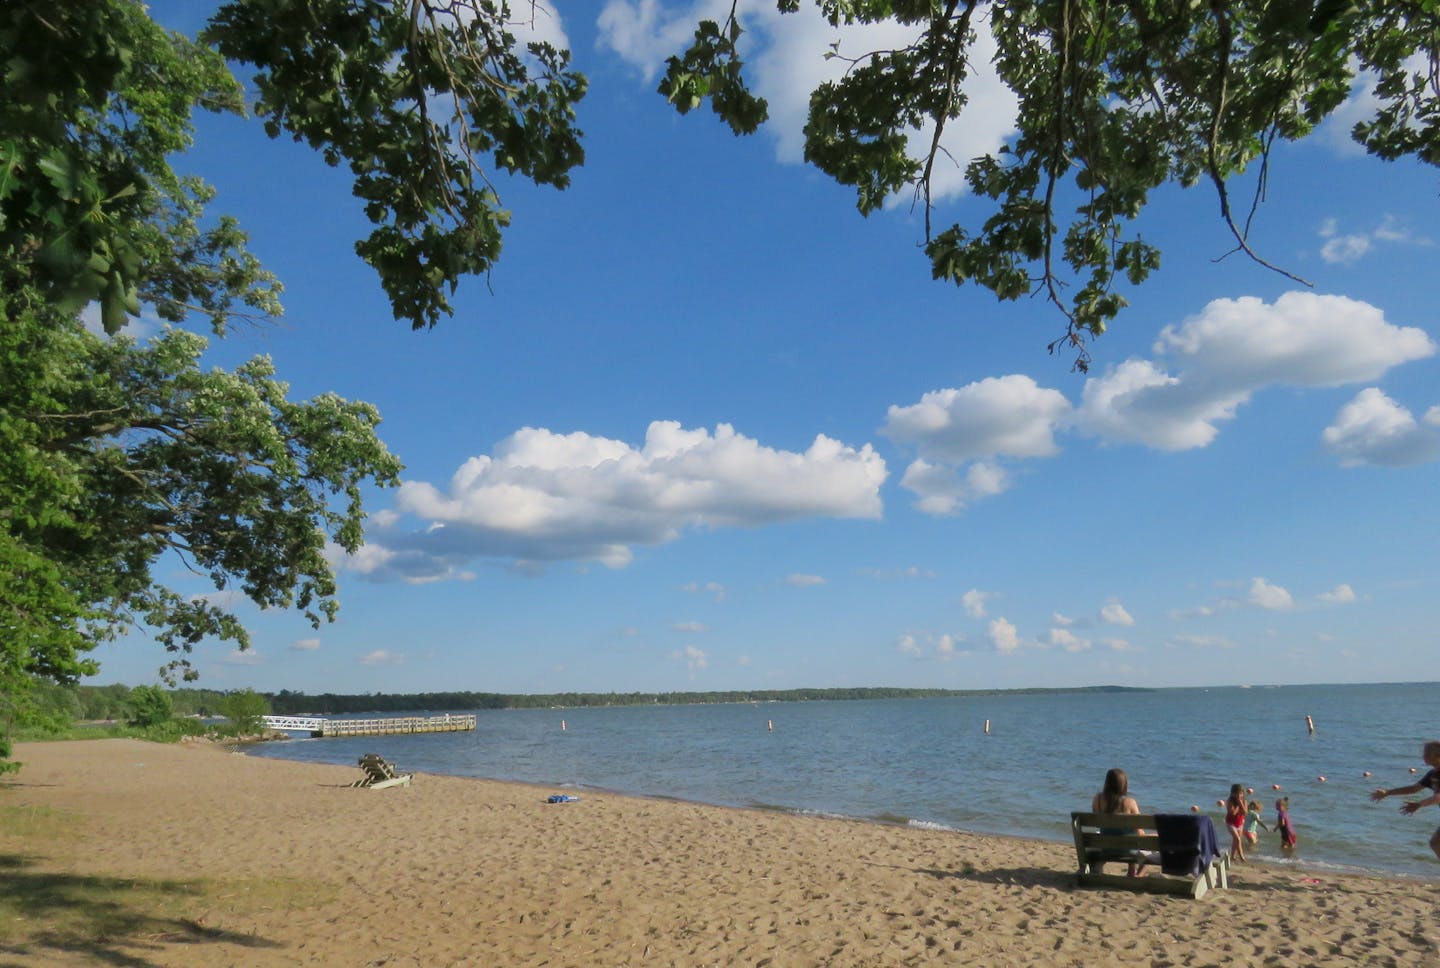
[
  {"x": 1137, "y": 402},
  {"x": 1362, "y": 105},
  {"x": 1114, "y": 614},
  {"x": 1339, "y": 595},
  {"x": 1304, "y": 339},
  {"x": 974, "y": 601},
  {"x": 1345, "y": 248},
  {"x": 543, "y": 497},
  {"x": 695, "y": 659},
  {"x": 946, "y": 648},
  {"x": 1010, "y": 416},
  {"x": 1003, "y": 636},
  {"x": 1374, "y": 429},
  {"x": 537, "y": 22},
  {"x": 1273, "y": 598},
  {"x": 785, "y": 61},
  {"x": 1234, "y": 348},
  {"x": 959, "y": 434},
  {"x": 1065, "y": 639},
  {"x": 942, "y": 647},
  {"x": 943, "y": 490}
]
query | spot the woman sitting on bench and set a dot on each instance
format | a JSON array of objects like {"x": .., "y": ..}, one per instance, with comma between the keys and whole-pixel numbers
[{"x": 1115, "y": 798}]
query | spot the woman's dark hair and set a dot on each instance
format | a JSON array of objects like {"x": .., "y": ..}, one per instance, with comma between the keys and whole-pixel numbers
[{"x": 1117, "y": 786}]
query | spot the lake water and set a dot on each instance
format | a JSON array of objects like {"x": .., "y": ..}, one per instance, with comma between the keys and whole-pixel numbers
[{"x": 929, "y": 762}]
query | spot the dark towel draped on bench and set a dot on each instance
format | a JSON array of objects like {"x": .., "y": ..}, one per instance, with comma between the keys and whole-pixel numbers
[{"x": 1187, "y": 843}]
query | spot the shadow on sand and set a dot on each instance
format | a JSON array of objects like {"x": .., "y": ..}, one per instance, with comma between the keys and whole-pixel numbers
[
  {"x": 1064, "y": 880},
  {"x": 97, "y": 920},
  {"x": 1017, "y": 876}
]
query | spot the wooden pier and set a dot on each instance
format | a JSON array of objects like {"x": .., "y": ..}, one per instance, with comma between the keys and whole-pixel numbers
[{"x": 316, "y": 727}]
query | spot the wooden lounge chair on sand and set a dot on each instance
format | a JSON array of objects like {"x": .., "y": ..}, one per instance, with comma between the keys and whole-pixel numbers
[
  {"x": 1181, "y": 853},
  {"x": 379, "y": 773}
]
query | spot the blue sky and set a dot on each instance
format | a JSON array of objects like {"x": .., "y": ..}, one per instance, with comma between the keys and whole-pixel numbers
[{"x": 705, "y": 427}]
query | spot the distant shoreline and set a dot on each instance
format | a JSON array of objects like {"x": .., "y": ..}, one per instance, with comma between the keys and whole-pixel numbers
[{"x": 286, "y": 703}]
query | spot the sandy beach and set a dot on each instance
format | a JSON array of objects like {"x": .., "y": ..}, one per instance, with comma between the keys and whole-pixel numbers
[{"x": 117, "y": 852}]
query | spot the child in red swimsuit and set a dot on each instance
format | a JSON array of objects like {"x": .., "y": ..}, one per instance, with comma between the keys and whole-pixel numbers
[{"x": 1235, "y": 821}]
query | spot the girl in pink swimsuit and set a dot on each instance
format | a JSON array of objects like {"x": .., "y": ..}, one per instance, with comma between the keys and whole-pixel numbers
[{"x": 1282, "y": 824}]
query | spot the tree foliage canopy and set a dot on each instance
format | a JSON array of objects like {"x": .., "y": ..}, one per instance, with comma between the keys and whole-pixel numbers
[
  {"x": 113, "y": 453},
  {"x": 1116, "y": 98},
  {"x": 245, "y": 710},
  {"x": 411, "y": 96},
  {"x": 97, "y": 98},
  {"x": 424, "y": 100},
  {"x": 149, "y": 706}
]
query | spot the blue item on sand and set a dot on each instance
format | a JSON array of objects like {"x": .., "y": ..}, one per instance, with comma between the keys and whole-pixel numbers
[{"x": 561, "y": 798}]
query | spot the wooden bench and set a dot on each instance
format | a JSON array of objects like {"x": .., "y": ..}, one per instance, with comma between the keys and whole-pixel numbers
[
  {"x": 380, "y": 773},
  {"x": 1113, "y": 838}
]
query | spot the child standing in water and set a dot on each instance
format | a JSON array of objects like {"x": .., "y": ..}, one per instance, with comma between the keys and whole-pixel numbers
[
  {"x": 1235, "y": 820},
  {"x": 1282, "y": 824},
  {"x": 1253, "y": 820}
]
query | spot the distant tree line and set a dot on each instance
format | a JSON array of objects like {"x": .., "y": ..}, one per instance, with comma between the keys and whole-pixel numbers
[
  {"x": 53, "y": 710},
  {"x": 160, "y": 713},
  {"x": 115, "y": 702},
  {"x": 286, "y": 702}
]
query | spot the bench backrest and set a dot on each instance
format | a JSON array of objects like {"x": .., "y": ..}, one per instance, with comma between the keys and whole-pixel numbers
[
  {"x": 377, "y": 767},
  {"x": 1113, "y": 833}
]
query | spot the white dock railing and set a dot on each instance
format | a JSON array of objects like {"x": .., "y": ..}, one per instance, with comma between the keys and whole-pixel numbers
[
  {"x": 306, "y": 723},
  {"x": 447, "y": 723}
]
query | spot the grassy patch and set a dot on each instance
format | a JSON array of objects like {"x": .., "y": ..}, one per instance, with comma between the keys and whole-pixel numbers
[
  {"x": 45, "y": 734},
  {"x": 50, "y": 909},
  {"x": 44, "y": 823},
  {"x": 45, "y": 912}
]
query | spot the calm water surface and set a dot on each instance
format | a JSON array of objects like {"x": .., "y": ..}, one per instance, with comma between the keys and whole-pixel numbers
[{"x": 929, "y": 762}]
